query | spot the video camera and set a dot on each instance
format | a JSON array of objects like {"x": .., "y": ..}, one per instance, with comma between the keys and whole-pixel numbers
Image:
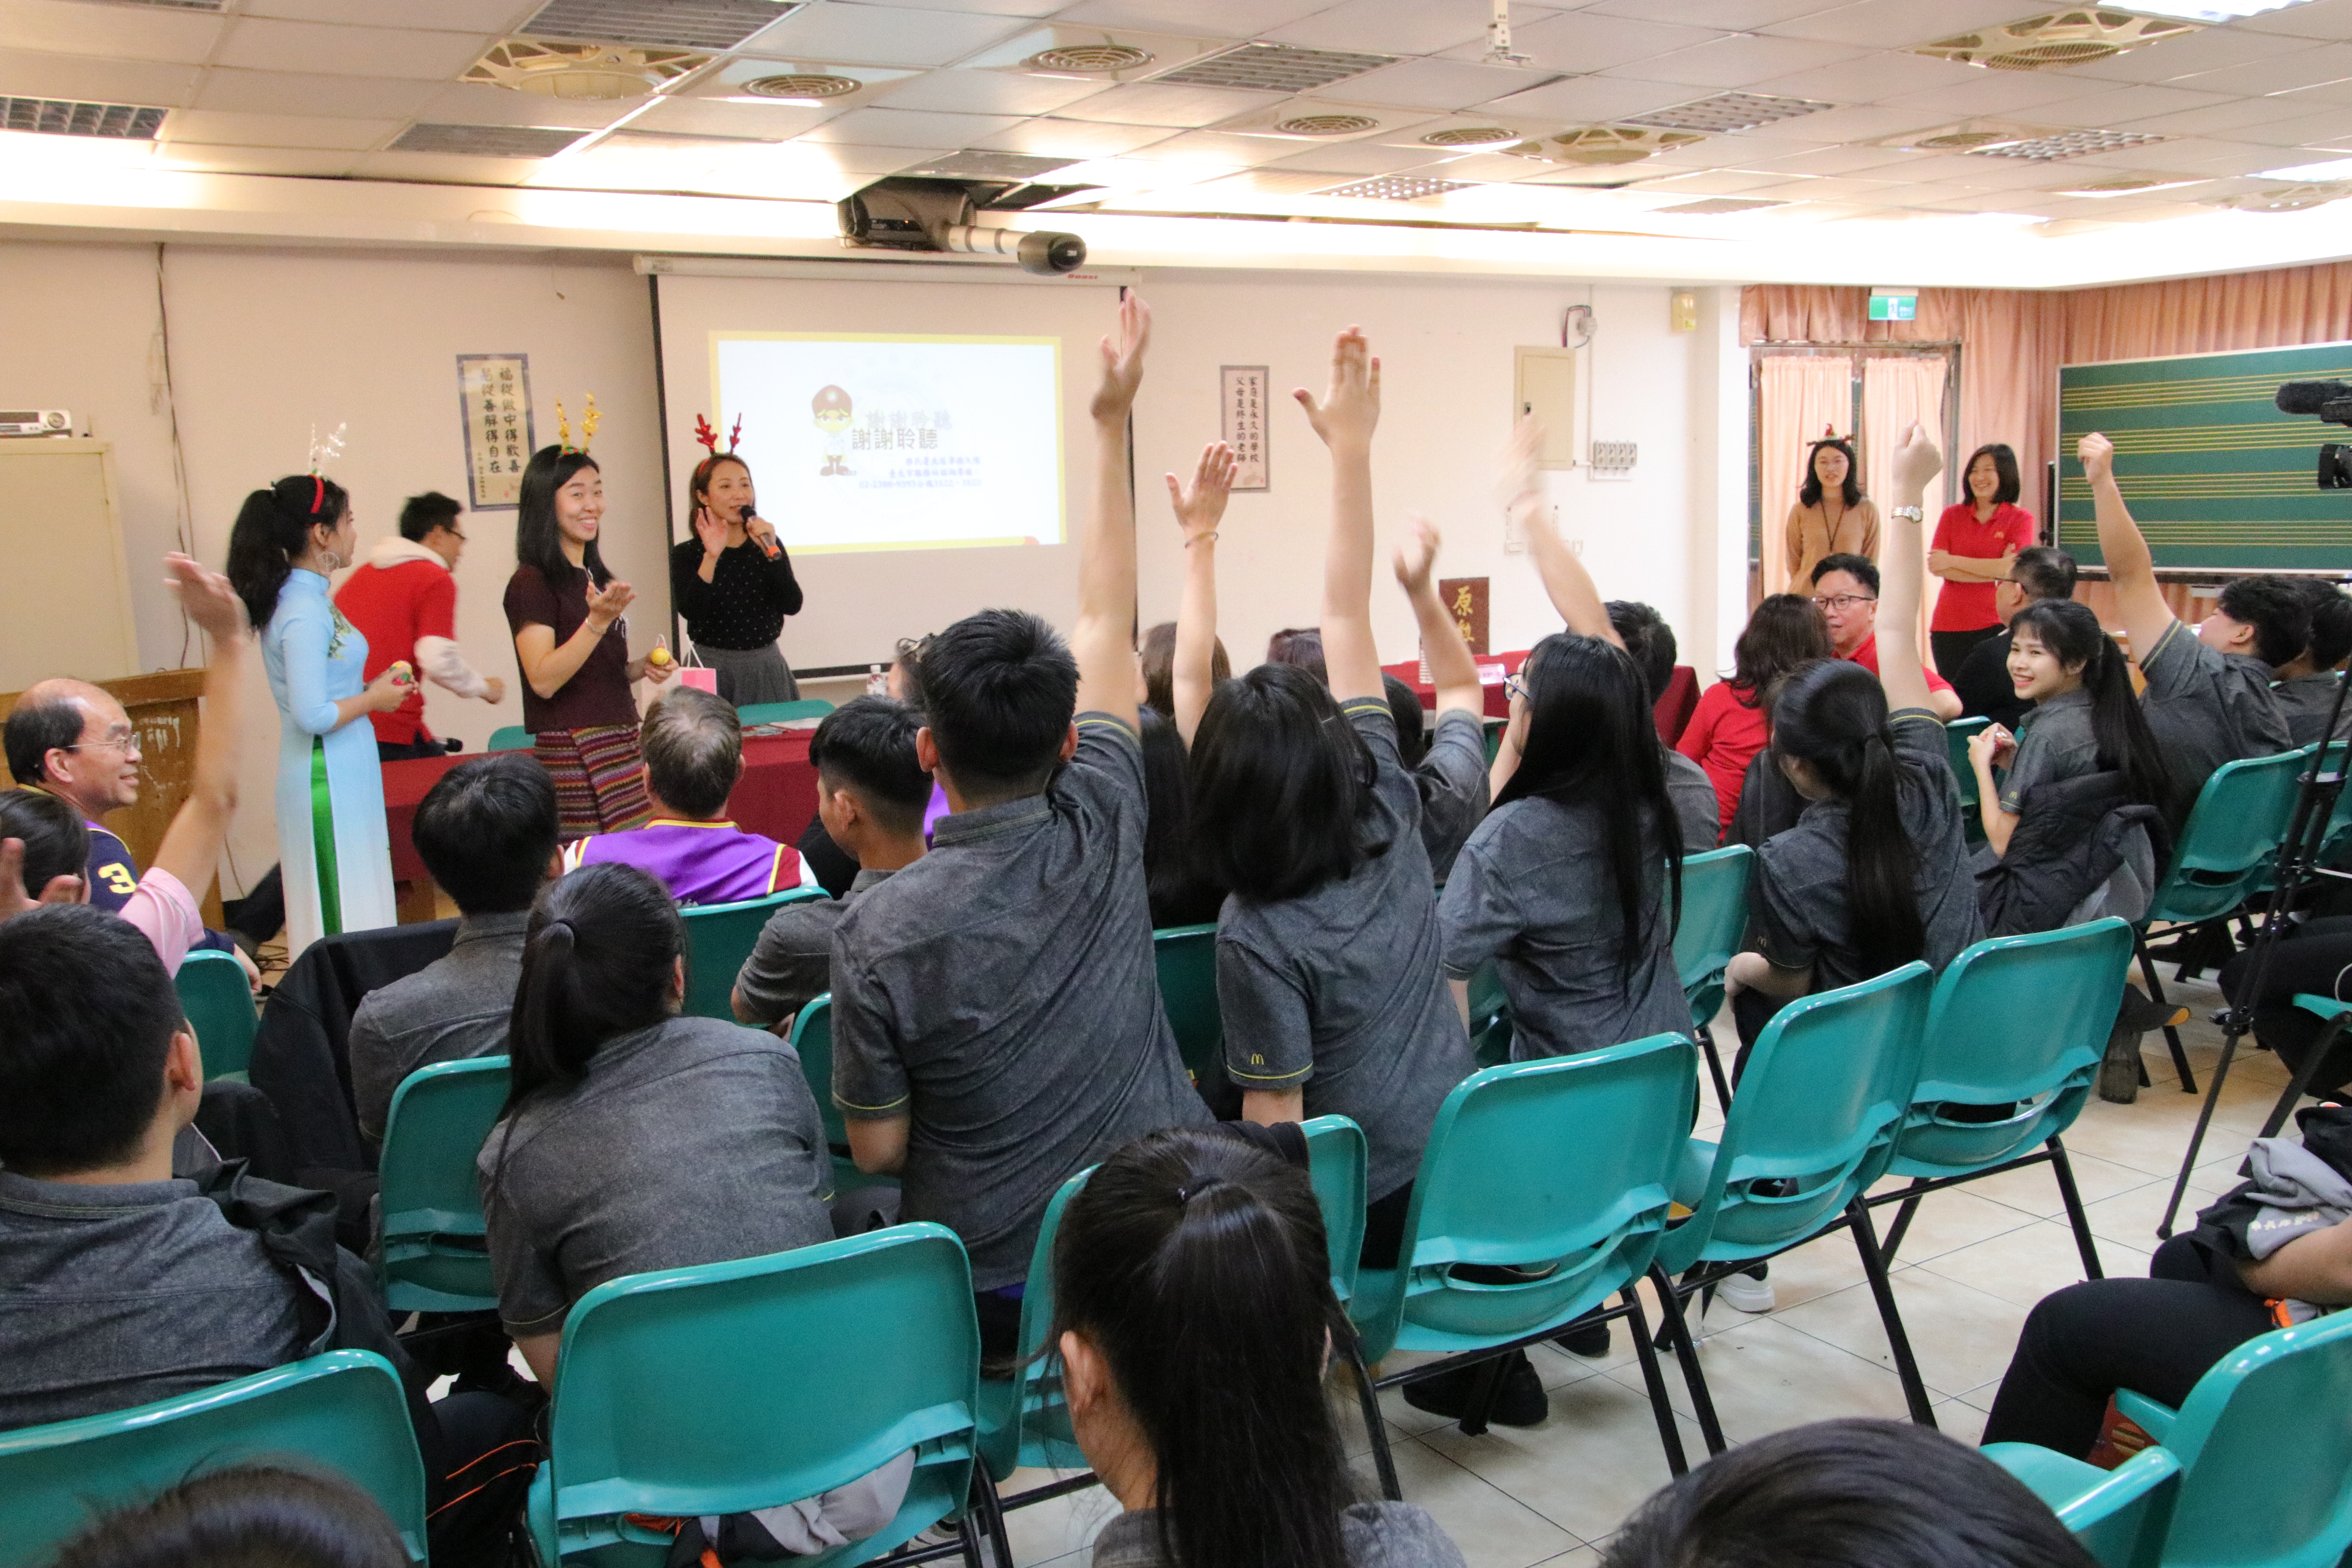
[{"x": 2330, "y": 401}]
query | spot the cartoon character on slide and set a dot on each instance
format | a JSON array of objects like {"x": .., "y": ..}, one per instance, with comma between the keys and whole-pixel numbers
[{"x": 829, "y": 408}]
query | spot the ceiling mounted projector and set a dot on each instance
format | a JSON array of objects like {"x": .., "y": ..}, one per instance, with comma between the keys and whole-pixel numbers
[{"x": 904, "y": 213}]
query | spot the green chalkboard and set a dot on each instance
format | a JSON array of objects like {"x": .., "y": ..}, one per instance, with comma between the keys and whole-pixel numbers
[{"x": 2215, "y": 475}]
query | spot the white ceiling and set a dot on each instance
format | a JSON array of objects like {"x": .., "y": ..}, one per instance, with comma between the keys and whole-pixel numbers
[{"x": 322, "y": 89}]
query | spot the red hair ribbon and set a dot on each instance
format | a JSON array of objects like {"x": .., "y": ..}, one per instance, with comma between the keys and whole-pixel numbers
[{"x": 318, "y": 494}]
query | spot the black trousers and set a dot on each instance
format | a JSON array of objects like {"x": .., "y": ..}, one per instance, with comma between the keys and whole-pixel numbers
[
  {"x": 1951, "y": 647},
  {"x": 2155, "y": 1336},
  {"x": 2314, "y": 959},
  {"x": 490, "y": 1443}
]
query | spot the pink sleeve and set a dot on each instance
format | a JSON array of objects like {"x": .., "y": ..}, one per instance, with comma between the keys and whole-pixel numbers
[{"x": 163, "y": 911}]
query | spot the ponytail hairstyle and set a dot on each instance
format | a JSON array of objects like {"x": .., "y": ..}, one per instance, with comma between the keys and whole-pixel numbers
[
  {"x": 539, "y": 538},
  {"x": 1194, "y": 1263},
  {"x": 2072, "y": 633},
  {"x": 1784, "y": 631},
  {"x": 1593, "y": 741},
  {"x": 597, "y": 962},
  {"x": 272, "y": 531},
  {"x": 1832, "y": 716}
]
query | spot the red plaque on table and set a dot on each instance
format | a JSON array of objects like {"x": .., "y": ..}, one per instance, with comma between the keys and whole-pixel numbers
[{"x": 1465, "y": 599}]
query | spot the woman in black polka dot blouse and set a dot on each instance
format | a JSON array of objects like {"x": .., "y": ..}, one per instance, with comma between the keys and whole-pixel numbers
[{"x": 732, "y": 583}]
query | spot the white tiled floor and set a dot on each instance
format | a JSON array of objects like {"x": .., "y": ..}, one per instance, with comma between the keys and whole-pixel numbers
[{"x": 1974, "y": 1262}]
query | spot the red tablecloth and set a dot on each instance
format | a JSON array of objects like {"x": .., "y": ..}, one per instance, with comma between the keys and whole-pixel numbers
[
  {"x": 776, "y": 795},
  {"x": 1673, "y": 708}
]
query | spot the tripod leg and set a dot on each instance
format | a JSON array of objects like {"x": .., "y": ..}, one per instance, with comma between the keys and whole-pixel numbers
[
  {"x": 2073, "y": 1199},
  {"x": 1715, "y": 1070},
  {"x": 2204, "y": 1118},
  {"x": 2301, "y": 1084},
  {"x": 2171, "y": 1035}
]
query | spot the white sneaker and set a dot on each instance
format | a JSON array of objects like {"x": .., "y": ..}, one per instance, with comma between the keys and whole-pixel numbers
[{"x": 1746, "y": 1293}]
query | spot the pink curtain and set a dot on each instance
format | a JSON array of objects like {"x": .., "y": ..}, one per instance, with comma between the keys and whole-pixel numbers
[
  {"x": 1896, "y": 393},
  {"x": 1799, "y": 396}
]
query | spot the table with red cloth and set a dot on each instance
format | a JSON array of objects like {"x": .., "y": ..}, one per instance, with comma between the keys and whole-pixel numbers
[{"x": 1673, "y": 710}]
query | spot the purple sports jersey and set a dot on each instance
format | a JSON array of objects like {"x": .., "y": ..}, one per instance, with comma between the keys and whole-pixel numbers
[{"x": 699, "y": 862}]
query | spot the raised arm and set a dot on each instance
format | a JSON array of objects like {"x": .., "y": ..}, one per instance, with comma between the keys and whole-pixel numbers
[
  {"x": 1103, "y": 641},
  {"x": 2131, "y": 566},
  {"x": 1565, "y": 580},
  {"x": 191, "y": 850},
  {"x": 1345, "y": 417},
  {"x": 1199, "y": 510},
  {"x": 1900, "y": 669},
  {"x": 1452, "y": 668}
]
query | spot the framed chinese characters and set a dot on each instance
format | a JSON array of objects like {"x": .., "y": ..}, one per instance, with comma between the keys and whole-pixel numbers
[
  {"x": 494, "y": 401},
  {"x": 1241, "y": 406}
]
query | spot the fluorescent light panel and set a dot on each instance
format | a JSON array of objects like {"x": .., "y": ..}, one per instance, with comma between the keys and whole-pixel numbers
[{"x": 2332, "y": 169}]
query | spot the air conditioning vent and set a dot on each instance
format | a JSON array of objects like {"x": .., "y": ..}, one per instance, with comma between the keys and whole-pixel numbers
[
  {"x": 2065, "y": 144},
  {"x": 1276, "y": 67},
  {"x": 593, "y": 71},
  {"x": 1600, "y": 146},
  {"x": 2052, "y": 42},
  {"x": 802, "y": 84},
  {"x": 1728, "y": 112},
  {"x": 65, "y": 117},
  {"x": 486, "y": 141},
  {"x": 711, "y": 25},
  {"x": 2288, "y": 198},
  {"x": 1962, "y": 141},
  {"x": 1325, "y": 125},
  {"x": 1089, "y": 59},
  {"x": 1395, "y": 188},
  {"x": 1469, "y": 136}
]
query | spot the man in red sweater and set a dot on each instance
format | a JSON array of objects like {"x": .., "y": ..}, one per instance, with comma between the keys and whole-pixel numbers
[{"x": 404, "y": 602}]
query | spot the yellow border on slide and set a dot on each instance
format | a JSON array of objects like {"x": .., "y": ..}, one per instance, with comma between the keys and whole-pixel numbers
[
  {"x": 1061, "y": 442},
  {"x": 916, "y": 545}
]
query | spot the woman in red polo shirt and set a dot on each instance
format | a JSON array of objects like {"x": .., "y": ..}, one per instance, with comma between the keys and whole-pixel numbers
[{"x": 1975, "y": 543}]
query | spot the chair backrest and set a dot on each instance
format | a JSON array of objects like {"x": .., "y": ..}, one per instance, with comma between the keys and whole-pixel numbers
[
  {"x": 1337, "y": 1159},
  {"x": 1186, "y": 958},
  {"x": 2265, "y": 1438},
  {"x": 431, "y": 1257},
  {"x": 2015, "y": 1020},
  {"x": 2232, "y": 833},
  {"x": 718, "y": 938},
  {"x": 1826, "y": 1090},
  {"x": 2121, "y": 1519},
  {"x": 219, "y": 1000},
  {"x": 1715, "y": 917},
  {"x": 1566, "y": 1161},
  {"x": 1490, "y": 1016},
  {"x": 812, "y": 1038},
  {"x": 746, "y": 1385},
  {"x": 342, "y": 1412},
  {"x": 777, "y": 712},
  {"x": 509, "y": 738}
]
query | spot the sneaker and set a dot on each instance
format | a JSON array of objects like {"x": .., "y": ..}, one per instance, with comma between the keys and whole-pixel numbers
[
  {"x": 1584, "y": 1338},
  {"x": 1746, "y": 1291},
  {"x": 2119, "y": 1072},
  {"x": 1519, "y": 1402}
]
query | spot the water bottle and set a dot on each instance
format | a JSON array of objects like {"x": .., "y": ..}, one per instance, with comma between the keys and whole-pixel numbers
[{"x": 876, "y": 683}]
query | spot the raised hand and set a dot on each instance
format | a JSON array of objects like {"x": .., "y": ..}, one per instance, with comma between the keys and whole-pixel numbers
[
  {"x": 1417, "y": 554},
  {"x": 1350, "y": 406},
  {"x": 1916, "y": 461},
  {"x": 606, "y": 603},
  {"x": 12, "y": 898},
  {"x": 494, "y": 688},
  {"x": 1519, "y": 486},
  {"x": 2098, "y": 456},
  {"x": 206, "y": 596},
  {"x": 1123, "y": 359},
  {"x": 1200, "y": 508},
  {"x": 709, "y": 527}
]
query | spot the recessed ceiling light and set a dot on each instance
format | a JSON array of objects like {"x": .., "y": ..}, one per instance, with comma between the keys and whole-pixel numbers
[
  {"x": 1274, "y": 68},
  {"x": 661, "y": 24},
  {"x": 65, "y": 117},
  {"x": 2064, "y": 145},
  {"x": 1396, "y": 188},
  {"x": 1728, "y": 112},
  {"x": 486, "y": 141},
  {"x": 2330, "y": 169}
]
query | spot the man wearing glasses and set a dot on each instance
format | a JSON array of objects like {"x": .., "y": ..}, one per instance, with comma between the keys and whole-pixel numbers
[
  {"x": 404, "y": 602},
  {"x": 1846, "y": 590}
]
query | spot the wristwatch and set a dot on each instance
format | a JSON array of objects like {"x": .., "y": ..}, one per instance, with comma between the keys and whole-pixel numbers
[{"x": 1911, "y": 513}]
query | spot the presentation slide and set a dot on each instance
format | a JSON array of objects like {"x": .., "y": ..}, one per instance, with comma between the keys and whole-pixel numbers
[{"x": 891, "y": 441}]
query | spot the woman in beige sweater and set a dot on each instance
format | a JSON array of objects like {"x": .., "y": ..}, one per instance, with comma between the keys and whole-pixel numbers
[{"x": 1831, "y": 516}]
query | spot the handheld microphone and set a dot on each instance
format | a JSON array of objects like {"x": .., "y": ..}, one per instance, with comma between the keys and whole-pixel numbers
[
  {"x": 768, "y": 546},
  {"x": 2311, "y": 396}
]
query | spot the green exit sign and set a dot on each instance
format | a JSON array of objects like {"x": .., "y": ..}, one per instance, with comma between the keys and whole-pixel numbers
[{"x": 1893, "y": 304}]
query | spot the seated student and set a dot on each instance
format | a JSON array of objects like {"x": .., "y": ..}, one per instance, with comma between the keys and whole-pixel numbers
[
  {"x": 1450, "y": 769},
  {"x": 1846, "y": 1494},
  {"x": 1845, "y": 587},
  {"x": 1155, "y": 665},
  {"x": 1727, "y": 729},
  {"x": 245, "y": 1516},
  {"x": 1192, "y": 1303},
  {"x": 2314, "y": 956},
  {"x": 2040, "y": 571},
  {"x": 486, "y": 831},
  {"x": 1301, "y": 646},
  {"x": 2209, "y": 688},
  {"x": 693, "y": 746},
  {"x": 1328, "y": 950},
  {"x": 1179, "y": 893},
  {"x": 1646, "y": 639},
  {"x": 870, "y": 793},
  {"x": 2305, "y": 691},
  {"x": 634, "y": 1138},
  {"x": 996, "y": 1017}
]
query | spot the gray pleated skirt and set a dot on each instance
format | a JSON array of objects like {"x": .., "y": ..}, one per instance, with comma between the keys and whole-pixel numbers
[{"x": 752, "y": 675}]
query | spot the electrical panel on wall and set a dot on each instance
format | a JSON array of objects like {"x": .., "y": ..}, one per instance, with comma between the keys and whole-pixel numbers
[{"x": 1544, "y": 387}]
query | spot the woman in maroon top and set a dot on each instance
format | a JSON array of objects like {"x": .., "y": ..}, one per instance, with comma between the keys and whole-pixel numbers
[
  {"x": 1976, "y": 543},
  {"x": 563, "y": 604}
]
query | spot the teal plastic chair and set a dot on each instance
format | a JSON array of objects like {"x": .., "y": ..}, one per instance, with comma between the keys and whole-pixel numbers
[
  {"x": 219, "y": 1000},
  {"x": 1827, "y": 1088},
  {"x": 1714, "y": 918},
  {"x": 777, "y": 712},
  {"x": 2265, "y": 1444},
  {"x": 1490, "y": 1017},
  {"x": 748, "y": 1384},
  {"x": 341, "y": 1413},
  {"x": 509, "y": 738},
  {"x": 1557, "y": 1169},
  {"x": 2017, "y": 1026},
  {"x": 812, "y": 1038},
  {"x": 433, "y": 1257},
  {"x": 719, "y": 939},
  {"x": 1336, "y": 1159},
  {"x": 1186, "y": 958}
]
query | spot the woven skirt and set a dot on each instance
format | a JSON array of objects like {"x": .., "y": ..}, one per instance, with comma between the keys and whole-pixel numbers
[
  {"x": 749, "y": 675},
  {"x": 598, "y": 785}
]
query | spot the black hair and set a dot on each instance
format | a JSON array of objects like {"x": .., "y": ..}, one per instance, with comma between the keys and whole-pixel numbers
[
  {"x": 2277, "y": 610},
  {"x": 539, "y": 538},
  {"x": 1157, "y": 656},
  {"x": 1195, "y": 1264},
  {"x": 486, "y": 830},
  {"x": 272, "y": 529},
  {"x": 56, "y": 839},
  {"x": 87, "y": 1016},
  {"x": 249, "y": 1516},
  {"x": 2010, "y": 486},
  {"x": 1172, "y": 883},
  {"x": 2071, "y": 633},
  {"x": 1648, "y": 639},
  {"x": 1809, "y": 493},
  {"x": 692, "y": 742},
  {"x": 999, "y": 690},
  {"x": 1301, "y": 646},
  {"x": 598, "y": 958},
  {"x": 420, "y": 515},
  {"x": 2045, "y": 572},
  {"x": 869, "y": 743},
  {"x": 1846, "y": 1494},
  {"x": 1593, "y": 741},
  {"x": 2331, "y": 625},
  {"x": 1861, "y": 568},
  {"x": 36, "y": 728},
  {"x": 1412, "y": 719},
  {"x": 1832, "y": 716},
  {"x": 1281, "y": 783},
  {"x": 1783, "y": 632},
  {"x": 697, "y": 483}
]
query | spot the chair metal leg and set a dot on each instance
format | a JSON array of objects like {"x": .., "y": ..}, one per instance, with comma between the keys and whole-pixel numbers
[
  {"x": 1902, "y": 1225},
  {"x": 1715, "y": 1068},
  {"x": 1483, "y": 1389},
  {"x": 1915, "y": 1392},
  {"x": 1677, "y": 1331},
  {"x": 2068, "y": 1194},
  {"x": 2300, "y": 1085},
  {"x": 1384, "y": 1460},
  {"x": 2171, "y": 1035},
  {"x": 1660, "y": 1406}
]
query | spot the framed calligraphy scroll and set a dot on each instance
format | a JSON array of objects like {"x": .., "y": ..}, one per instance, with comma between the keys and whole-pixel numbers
[
  {"x": 1241, "y": 401},
  {"x": 494, "y": 402}
]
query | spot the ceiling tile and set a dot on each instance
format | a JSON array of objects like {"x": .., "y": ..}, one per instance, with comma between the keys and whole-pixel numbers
[
  {"x": 280, "y": 93},
  {"x": 456, "y": 16},
  {"x": 1027, "y": 8},
  {"x": 314, "y": 130},
  {"x": 2121, "y": 103},
  {"x": 1235, "y": 18},
  {"x": 1354, "y": 158},
  {"x": 257, "y": 43},
  {"x": 1900, "y": 24},
  {"x": 1711, "y": 183},
  {"x": 880, "y": 34},
  {"x": 2212, "y": 48},
  {"x": 1829, "y": 190},
  {"x": 115, "y": 32},
  {"x": 1399, "y": 26},
  {"x": 1240, "y": 151},
  {"x": 1437, "y": 84},
  {"x": 1049, "y": 136},
  {"x": 1734, "y": 15},
  {"x": 2327, "y": 128},
  {"x": 445, "y": 168},
  {"x": 990, "y": 92},
  {"x": 1847, "y": 160},
  {"x": 1584, "y": 41},
  {"x": 2235, "y": 116},
  {"x": 1592, "y": 100},
  {"x": 911, "y": 128},
  {"x": 700, "y": 117},
  {"x": 1738, "y": 62},
  {"x": 1872, "y": 80},
  {"x": 1867, "y": 123},
  {"x": 474, "y": 103},
  {"x": 856, "y": 158},
  {"x": 315, "y": 163},
  {"x": 86, "y": 78},
  {"x": 1993, "y": 93},
  {"x": 1150, "y": 103},
  {"x": 2320, "y": 19},
  {"x": 2306, "y": 66}
]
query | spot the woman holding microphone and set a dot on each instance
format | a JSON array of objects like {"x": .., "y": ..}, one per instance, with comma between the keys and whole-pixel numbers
[{"x": 732, "y": 584}]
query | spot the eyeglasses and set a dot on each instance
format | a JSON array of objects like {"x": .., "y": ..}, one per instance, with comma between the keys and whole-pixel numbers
[
  {"x": 1844, "y": 601},
  {"x": 1514, "y": 686},
  {"x": 119, "y": 740}
]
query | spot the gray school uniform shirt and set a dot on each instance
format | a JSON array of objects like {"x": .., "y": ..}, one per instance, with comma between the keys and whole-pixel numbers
[
  {"x": 1451, "y": 779},
  {"x": 696, "y": 1140},
  {"x": 2207, "y": 708},
  {"x": 2305, "y": 702},
  {"x": 1339, "y": 993},
  {"x": 1532, "y": 890},
  {"x": 1371, "y": 1534},
  {"x": 2054, "y": 741},
  {"x": 454, "y": 1009},
  {"x": 1001, "y": 994},
  {"x": 1696, "y": 806},
  {"x": 792, "y": 963},
  {"x": 1797, "y": 905}
]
